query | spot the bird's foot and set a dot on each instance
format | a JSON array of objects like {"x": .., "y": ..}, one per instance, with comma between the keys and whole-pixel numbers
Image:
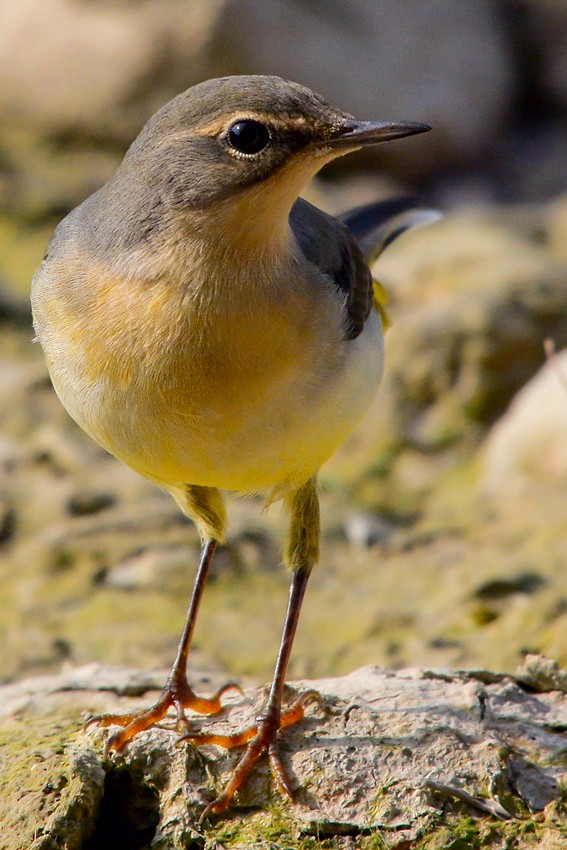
[
  {"x": 259, "y": 739},
  {"x": 176, "y": 694}
]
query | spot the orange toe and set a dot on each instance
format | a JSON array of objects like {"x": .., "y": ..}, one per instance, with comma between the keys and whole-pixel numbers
[
  {"x": 259, "y": 738},
  {"x": 177, "y": 695}
]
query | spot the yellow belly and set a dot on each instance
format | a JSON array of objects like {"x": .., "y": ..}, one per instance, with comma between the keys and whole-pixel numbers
[{"x": 245, "y": 399}]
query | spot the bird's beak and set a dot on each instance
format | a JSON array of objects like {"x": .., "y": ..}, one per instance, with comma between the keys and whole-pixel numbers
[{"x": 358, "y": 134}]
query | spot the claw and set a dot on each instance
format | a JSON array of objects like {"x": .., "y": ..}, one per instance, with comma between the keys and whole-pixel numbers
[
  {"x": 177, "y": 695},
  {"x": 279, "y": 772},
  {"x": 258, "y": 739},
  {"x": 296, "y": 711},
  {"x": 104, "y": 720}
]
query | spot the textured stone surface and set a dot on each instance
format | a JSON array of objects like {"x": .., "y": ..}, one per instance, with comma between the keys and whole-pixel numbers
[{"x": 406, "y": 754}]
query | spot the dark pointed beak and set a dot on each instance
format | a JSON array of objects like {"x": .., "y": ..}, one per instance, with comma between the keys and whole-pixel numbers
[{"x": 355, "y": 134}]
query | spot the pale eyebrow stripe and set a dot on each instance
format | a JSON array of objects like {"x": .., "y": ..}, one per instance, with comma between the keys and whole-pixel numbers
[{"x": 214, "y": 128}]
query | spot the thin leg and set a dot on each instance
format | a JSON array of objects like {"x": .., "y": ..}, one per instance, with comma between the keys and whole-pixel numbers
[
  {"x": 177, "y": 692},
  {"x": 301, "y": 554}
]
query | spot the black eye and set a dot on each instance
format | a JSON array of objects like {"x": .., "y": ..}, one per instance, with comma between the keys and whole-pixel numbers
[{"x": 248, "y": 136}]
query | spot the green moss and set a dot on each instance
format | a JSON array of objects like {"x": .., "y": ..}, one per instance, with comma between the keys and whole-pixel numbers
[
  {"x": 468, "y": 833},
  {"x": 273, "y": 828},
  {"x": 481, "y": 615},
  {"x": 374, "y": 842},
  {"x": 44, "y": 793}
]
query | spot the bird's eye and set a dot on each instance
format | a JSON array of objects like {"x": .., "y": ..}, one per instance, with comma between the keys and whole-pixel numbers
[{"x": 248, "y": 136}]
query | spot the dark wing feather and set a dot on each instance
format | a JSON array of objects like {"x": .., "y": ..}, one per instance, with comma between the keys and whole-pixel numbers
[
  {"x": 329, "y": 245},
  {"x": 343, "y": 247}
]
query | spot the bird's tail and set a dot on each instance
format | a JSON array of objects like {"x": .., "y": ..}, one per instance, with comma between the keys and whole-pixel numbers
[{"x": 376, "y": 225}]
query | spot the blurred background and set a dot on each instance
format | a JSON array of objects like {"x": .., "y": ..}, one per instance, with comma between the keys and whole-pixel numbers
[{"x": 445, "y": 515}]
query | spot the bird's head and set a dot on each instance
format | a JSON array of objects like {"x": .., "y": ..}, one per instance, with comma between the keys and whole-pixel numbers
[{"x": 243, "y": 145}]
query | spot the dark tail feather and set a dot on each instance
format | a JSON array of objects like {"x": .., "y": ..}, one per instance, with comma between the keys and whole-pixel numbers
[{"x": 376, "y": 225}]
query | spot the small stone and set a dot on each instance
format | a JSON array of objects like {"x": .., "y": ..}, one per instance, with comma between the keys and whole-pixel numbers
[
  {"x": 7, "y": 521},
  {"x": 152, "y": 568},
  {"x": 367, "y": 529},
  {"x": 85, "y": 504},
  {"x": 542, "y": 674}
]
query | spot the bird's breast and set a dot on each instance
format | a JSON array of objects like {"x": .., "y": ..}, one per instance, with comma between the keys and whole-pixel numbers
[{"x": 241, "y": 390}]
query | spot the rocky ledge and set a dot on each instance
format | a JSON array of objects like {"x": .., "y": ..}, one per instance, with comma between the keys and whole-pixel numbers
[{"x": 409, "y": 759}]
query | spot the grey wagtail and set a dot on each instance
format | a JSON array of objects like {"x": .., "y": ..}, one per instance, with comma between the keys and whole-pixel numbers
[{"x": 216, "y": 332}]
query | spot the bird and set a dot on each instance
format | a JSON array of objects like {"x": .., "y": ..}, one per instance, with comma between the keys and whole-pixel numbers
[{"x": 219, "y": 334}]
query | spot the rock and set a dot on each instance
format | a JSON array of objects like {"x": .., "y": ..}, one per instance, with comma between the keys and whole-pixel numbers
[
  {"x": 528, "y": 443},
  {"x": 51, "y": 788},
  {"x": 367, "y": 529},
  {"x": 100, "y": 90},
  {"x": 152, "y": 568},
  {"x": 86, "y": 503},
  {"x": 92, "y": 76},
  {"x": 416, "y": 753},
  {"x": 556, "y": 229},
  {"x": 7, "y": 520},
  {"x": 542, "y": 674}
]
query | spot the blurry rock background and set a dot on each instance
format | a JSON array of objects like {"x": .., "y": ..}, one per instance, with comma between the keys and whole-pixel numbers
[{"x": 445, "y": 515}]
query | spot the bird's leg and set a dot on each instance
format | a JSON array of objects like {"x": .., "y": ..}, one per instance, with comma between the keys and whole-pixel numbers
[
  {"x": 302, "y": 552},
  {"x": 177, "y": 692}
]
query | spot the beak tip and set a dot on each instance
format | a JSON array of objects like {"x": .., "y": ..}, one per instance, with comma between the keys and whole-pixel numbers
[
  {"x": 363, "y": 133},
  {"x": 423, "y": 128},
  {"x": 399, "y": 130}
]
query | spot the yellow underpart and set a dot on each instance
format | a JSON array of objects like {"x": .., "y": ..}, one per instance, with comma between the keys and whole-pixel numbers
[{"x": 380, "y": 300}]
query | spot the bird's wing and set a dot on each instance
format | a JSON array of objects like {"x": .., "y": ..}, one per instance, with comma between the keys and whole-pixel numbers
[
  {"x": 330, "y": 245},
  {"x": 342, "y": 248}
]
